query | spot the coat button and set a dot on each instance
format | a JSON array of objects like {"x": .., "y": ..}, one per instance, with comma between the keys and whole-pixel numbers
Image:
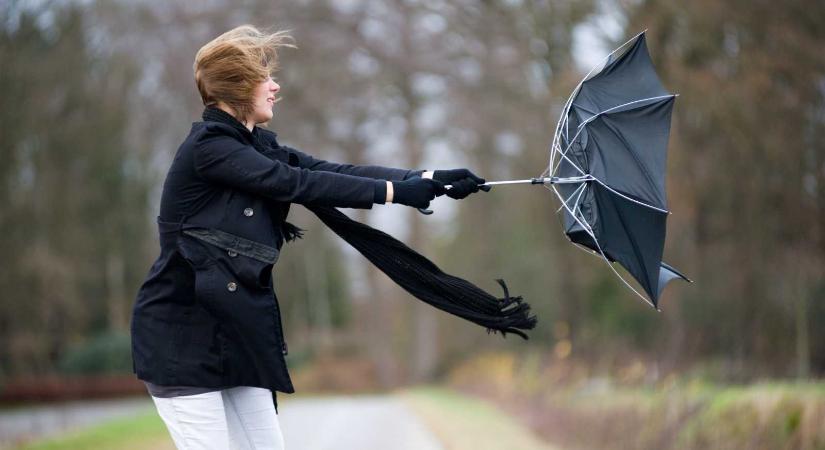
[
  {"x": 232, "y": 253},
  {"x": 231, "y": 286},
  {"x": 248, "y": 212}
]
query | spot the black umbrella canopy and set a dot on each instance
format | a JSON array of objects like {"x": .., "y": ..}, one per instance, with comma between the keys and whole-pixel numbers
[{"x": 609, "y": 160}]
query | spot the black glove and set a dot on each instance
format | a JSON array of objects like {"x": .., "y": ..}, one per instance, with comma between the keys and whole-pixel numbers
[
  {"x": 462, "y": 188},
  {"x": 463, "y": 182},
  {"x": 448, "y": 176},
  {"x": 416, "y": 192}
]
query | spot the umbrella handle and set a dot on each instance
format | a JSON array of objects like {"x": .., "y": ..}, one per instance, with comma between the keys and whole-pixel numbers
[{"x": 484, "y": 187}]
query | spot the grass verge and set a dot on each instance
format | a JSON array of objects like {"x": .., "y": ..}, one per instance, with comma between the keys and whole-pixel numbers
[
  {"x": 145, "y": 431},
  {"x": 463, "y": 422}
]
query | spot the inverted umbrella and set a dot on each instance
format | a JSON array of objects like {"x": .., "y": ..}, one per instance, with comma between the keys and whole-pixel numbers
[{"x": 607, "y": 166}]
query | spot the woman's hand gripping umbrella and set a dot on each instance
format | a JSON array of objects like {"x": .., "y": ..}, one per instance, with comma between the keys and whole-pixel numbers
[{"x": 459, "y": 183}]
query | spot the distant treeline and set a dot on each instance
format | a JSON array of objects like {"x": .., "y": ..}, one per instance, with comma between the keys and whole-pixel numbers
[{"x": 96, "y": 96}]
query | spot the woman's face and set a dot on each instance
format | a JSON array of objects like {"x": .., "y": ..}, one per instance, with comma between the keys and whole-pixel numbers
[{"x": 264, "y": 100}]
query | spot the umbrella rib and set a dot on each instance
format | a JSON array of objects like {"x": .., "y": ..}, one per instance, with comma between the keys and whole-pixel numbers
[
  {"x": 571, "y": 196},
  {"x": 595, "y": 116},
  {"x": 562, "y": 122},
  {"x": 559, "y": 125},
  {"x": 631, "y": 150},
  {"x": 635, "y": 247},
  {"x": 587, "y": 228},
  {"x": 599, "y": 65},
  {"x": 581, "y": 127},
  {"x": 556, "y": 146},
  {"x": 590, "y": 232},
  {"x": 629, "y": 198},
  {"x": 613, "y": 190},
  {"x": 609, "y": 264},
  {"x": 584, "y": 225},
  {"x": 563, "y": 155},
  {"x": 576, "y": 205}
]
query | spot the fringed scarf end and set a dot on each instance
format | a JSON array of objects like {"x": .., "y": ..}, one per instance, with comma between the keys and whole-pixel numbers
[
  {"x": 291, "y": 232},
  {"x": 516, "y": 314}
]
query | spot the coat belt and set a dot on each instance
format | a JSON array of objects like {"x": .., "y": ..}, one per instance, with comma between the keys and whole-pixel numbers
[{"x": 222, "y": 239}]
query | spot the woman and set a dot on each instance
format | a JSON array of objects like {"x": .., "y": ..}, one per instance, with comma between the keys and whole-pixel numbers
[{"x": 206, "y": 329}]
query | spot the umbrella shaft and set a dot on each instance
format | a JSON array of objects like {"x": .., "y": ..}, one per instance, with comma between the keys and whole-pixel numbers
[{"x": 545, "y": 180}]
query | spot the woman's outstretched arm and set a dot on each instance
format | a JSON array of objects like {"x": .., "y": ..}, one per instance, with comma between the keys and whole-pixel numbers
[
  {"x": 308, "y": 161},
  {"x": 222, "y": 159}
]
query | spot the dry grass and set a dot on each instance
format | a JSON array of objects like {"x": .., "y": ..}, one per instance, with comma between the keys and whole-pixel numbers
[{"x": 576, "y": 409}]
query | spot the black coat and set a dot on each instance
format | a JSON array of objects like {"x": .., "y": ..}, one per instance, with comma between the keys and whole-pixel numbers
[{"x": 207, "y": 314}]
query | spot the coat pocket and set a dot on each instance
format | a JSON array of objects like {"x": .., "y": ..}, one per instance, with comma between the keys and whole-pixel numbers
[
  {"x": 233, "y": 279},
  {"x": 242, "y": 260}
]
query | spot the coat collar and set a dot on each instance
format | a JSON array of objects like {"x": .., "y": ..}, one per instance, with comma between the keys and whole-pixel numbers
[{"x": 215, "y": 114}]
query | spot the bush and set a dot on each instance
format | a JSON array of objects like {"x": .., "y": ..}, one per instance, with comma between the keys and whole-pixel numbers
[{"x": 109, "y": 352}]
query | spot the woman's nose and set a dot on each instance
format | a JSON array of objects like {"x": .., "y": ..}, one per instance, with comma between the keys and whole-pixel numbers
[{"x": 275, "y": 87}]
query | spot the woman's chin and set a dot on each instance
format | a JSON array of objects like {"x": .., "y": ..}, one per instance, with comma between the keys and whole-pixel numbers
[{"x": 264, "y": 118}]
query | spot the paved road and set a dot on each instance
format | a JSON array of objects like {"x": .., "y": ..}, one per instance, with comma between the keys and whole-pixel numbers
[
  {"x": 362, "y": 422},
  {"x": 335, "y": 422}
]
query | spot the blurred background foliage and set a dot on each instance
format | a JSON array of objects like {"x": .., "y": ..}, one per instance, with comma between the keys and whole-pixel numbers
[{"x": 97, "y": 95}]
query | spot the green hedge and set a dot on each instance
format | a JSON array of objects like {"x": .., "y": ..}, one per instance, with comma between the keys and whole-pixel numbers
[{"x": 109, "y": 352}]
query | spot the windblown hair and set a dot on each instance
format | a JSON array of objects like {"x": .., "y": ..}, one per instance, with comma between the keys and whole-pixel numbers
[{"x": 229, "y": 67}]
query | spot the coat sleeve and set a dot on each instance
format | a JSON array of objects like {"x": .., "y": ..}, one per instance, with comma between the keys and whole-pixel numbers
[
  {"x": 224, "y": 160},
  {"x": 376, "y": 172}
]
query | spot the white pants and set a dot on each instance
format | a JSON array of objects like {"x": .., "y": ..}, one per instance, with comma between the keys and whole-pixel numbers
[{"x": 242, "y": 418}]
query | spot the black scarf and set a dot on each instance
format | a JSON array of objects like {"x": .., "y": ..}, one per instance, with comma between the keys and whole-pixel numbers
[{"x": 410, "y": 270}]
